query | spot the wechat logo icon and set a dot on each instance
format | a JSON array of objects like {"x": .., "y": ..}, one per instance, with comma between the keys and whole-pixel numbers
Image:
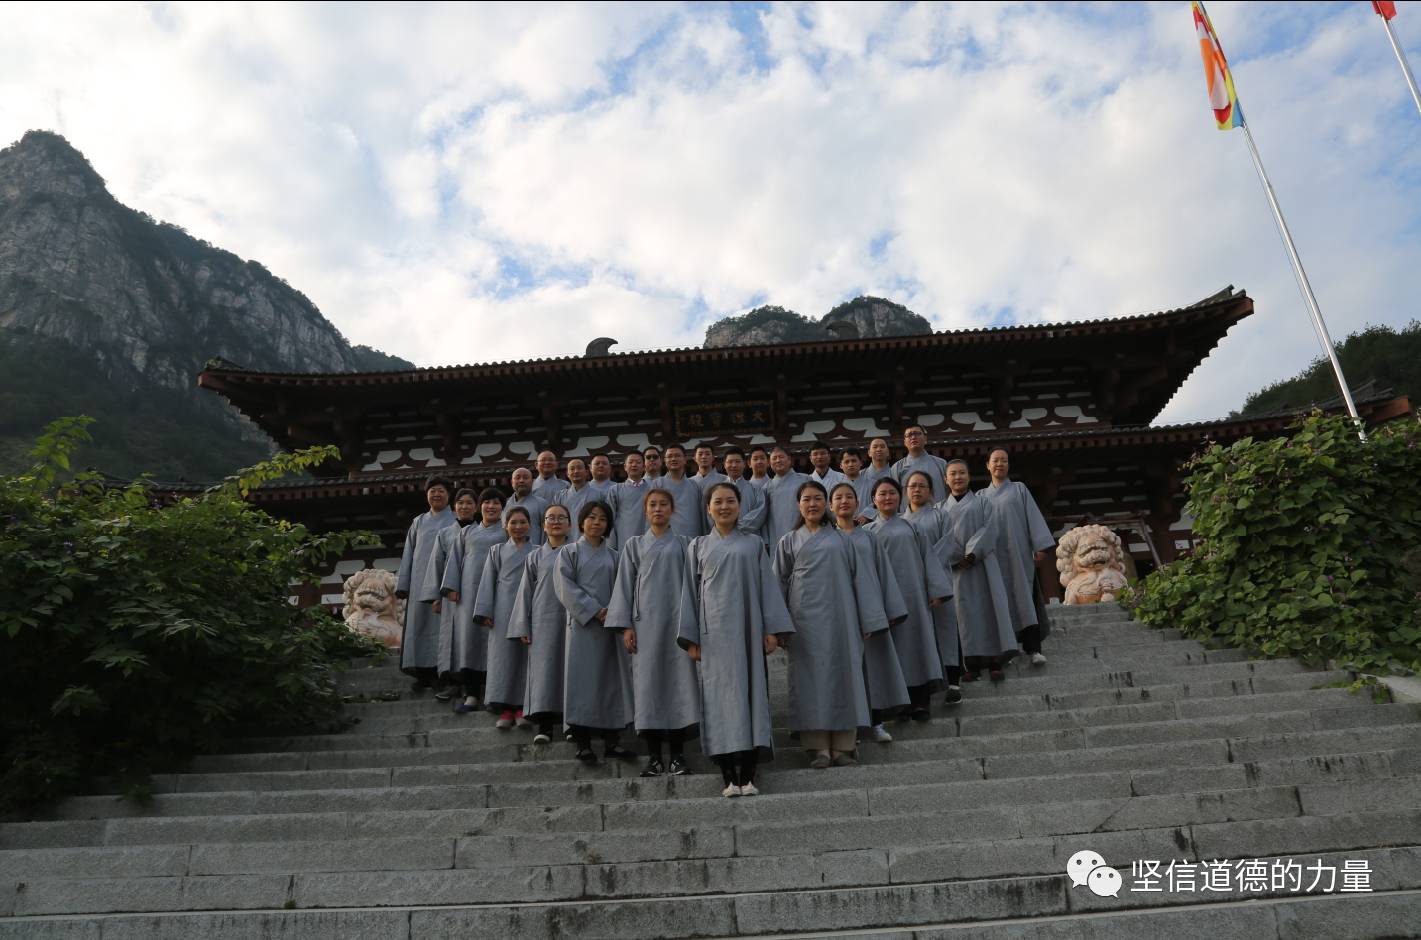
[{"x": 1089, "y": 869}]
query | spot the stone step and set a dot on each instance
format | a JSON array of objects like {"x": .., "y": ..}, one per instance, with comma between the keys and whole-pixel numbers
[{"x": 1392, "y": 909}]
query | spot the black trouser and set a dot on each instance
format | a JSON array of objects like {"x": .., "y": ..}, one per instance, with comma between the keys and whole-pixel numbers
[
  {"x": 426, "y": 676},
  {"x": 473, "y": 682},
  {"x": 1030, "y": 639},
  {"x": 983, "y": 663},
  {"x": 954, "y": 675},
  {"x": 919, "y": 697},
  {"x": 676, "y": 740},
  {"x": 582, "y": 737},
  {"x": 738, "y": 768}
]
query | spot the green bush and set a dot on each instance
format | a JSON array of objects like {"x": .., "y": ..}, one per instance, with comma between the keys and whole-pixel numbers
[
  {"x": 1310, "y": 545},
  {"x": 134, "y": 634}
]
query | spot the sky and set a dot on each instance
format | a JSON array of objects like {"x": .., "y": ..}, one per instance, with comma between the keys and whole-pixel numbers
[{"x": 473, "y": 183}]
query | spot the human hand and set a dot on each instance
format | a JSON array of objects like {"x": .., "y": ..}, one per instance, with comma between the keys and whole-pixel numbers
[
  {"x": 772, "y": 643},
  {"x": 629, "y": 639},
  {"x": 602, "y": 615},
  {"x": 694, "y": 651},
  {"x": 527, "y": 640},
  {"x": 435, "y": 606}
]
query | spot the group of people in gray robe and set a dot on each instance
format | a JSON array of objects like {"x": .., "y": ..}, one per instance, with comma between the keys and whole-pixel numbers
[{"x": 585, "y": 606}]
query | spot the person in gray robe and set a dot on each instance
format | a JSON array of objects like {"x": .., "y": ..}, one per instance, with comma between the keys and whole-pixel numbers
[
  {"x": 759, "y": 464},
  {"x": 539, "y": 621},
  {"x": 467, "y": 645},
  {"x": 832, "y": 606},
  {"x": 706, "y": 473},
  {"x": 651, "y": 462},
  {"x": 419, "y": 643},
  {"x": 645, "y": 601},
  {"x": 752, "y": 498},
  {"x": 579, "y": 489},
  {"x": 446, "y": 546},
  {"x": 782, "y": 497},
  {"x": 883, "y": 675},
  {"x": 820, "y": 458},
  {"x": 493, "y": 610},
  {"x": 729, "y": 619},
  {"x": 626, "y": 498},
  {"x": 1026, "y": 539},
  {"x": 915, "y": 439},
  {"x": 690, "y": 517},
  {"x": 922, "y": 515},
  {"x": 969, "y": 550},
  {"x": 601, "y": 483},
  {"x": 547, "y": 483},
  {"x": 597, "y": 688},
  {"x": 523, "y": 495},
  {"x": 879, "y": 465},
  {"x": 924, "y": 585}
]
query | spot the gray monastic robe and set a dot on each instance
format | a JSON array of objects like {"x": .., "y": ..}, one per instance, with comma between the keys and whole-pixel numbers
[
  {"x": 419, "y": 646},
  {"x": 863, "y": 486},
  {"x": 980, "y": 596},
  {"x": 539, "y": 615},
  {"x": 574, "y": 499},
  {"x": 729, "y": 602},
  {"x": 597, "y": 685},
  {"x": 710, "y": 479},
  {"x": 1024, "y": 532},
  {"x": 782, "y": 505},
  {"x": 833, "y": 605},
  {"x": 466, "y": 644},
  {"x": 752, "y": 509},
  {"x": 603, "y": 488},
  {"x": 446, "y": 546},
  {"x": 761, "y": 482},
  {"x": 535, "y": 505},
  {"x": 493, "y": 609},
  {"x": 883, "y": 674},
  {"x": 931, "y": 522},
  {"x": 548, "y": 488},
  {"x": 933, "y": 466},
  {"x": 646, "y": 598},
  {"x": 688, "y": 519},
  {"x": 920, "y": 577},
  {"x": 628, "y": 511}
]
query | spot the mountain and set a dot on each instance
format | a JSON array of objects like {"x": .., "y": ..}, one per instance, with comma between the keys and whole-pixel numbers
[
  {"x": 108, "y": 312},
  {"x": 1375, "y": 357},
  {"x": 861, "y": 317}
]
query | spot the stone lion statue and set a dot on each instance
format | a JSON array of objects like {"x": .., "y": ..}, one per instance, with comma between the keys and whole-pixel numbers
[
  {"x": 371, "y": 606},
  {"x": 1091, "y": 561}
]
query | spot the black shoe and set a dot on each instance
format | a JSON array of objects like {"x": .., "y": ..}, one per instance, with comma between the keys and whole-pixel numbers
[
  {"x": 921, "y": 714},
  {"x": 653, "y": 768},
  {"x": 969, "y": 676},
  {"x": 953, "y": 696},
  {"x": 444, "y": 694},
  {"x": 586, "y": 755},
  {"x": 617, "y": 752},
  {"x": 677, "y": 767}
]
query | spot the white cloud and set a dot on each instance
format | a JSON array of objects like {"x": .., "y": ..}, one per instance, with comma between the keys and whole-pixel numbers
[{"x": 457, "y": 183}]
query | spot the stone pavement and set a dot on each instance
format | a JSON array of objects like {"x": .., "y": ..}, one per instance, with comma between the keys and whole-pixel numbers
[{"x": 1131, "y": 742}]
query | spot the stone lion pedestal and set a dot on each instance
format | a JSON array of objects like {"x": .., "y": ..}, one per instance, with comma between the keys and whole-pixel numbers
[
  {"x": 1091, "y": 561},
  {"x": 372, "y": 608}
]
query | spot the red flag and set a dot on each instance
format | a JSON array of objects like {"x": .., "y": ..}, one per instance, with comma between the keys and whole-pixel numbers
[{"x": 1386, "y": 9}]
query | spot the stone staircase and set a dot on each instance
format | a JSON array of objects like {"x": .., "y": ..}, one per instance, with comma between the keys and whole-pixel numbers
[{"x": 417, "y": 823}]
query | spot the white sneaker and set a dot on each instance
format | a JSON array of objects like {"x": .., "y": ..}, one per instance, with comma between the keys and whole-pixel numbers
[
  {"x": 1038, "y": 659},
  {"x": 881, "y": 735},
  {"x": 730, "y": 791},
  {"x": 541, "y": 738},
  {"x": 749, "y": 789}
]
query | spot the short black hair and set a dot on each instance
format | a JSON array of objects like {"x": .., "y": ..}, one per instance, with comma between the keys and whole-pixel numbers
[
  {"x": 733, "y": 450},
  {"x": 491, "y": 492},
  {"x": 851, "y": 451},
  {"x": 433, "y": 481},
  {"x": 674, "y": 446},
  {"x": 588, "y": 508},
  {"x": 465, "y": 491},
  {"x": 820, "y": 445}
]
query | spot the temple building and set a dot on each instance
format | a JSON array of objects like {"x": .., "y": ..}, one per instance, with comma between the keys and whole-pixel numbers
[{"x": 1072, "y": 402}]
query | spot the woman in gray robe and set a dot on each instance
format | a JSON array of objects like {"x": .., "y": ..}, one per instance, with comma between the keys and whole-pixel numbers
[
  {"x": 730, "y": 617},
  {"x": 419, "y": 643},
  {"x": 969, "y": 551},
  {"x": 924, "y": 585},
  {"x": 922, "y": 515},
  {"x": 1025, "y": 540},
  {"x": 832, "y": 606},
  {"x": 540, "y": 622},
  {"x": 645, "y": 599},
  {"x": 597, "y": 682},
  {"x": 883, "y": 675},
  {"x": 493, "y": 609},
  {"x": 464, "y": 650}
]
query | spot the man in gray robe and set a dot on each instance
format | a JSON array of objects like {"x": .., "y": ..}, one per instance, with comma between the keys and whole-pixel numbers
[
  {"x": 1026, "y": 539},
  {"x": 915, "y": 439},
  {"x": 625, "y": 498},
  {"x": 651, "y": 458},
  {"x": 706, "y": 473},
  {"x": 968, "y": 549},
  {"x": 752, "y": 498},
  {"x": 759, "y": 463},
  {"x": 879, "y": 465},
  {"x": 689, "y": 518},
  {"x": 547, "y": 482},
  {"x": 419, "y": 646},
  {"x": 782, "y": 497},
  {"x": 579, "y": 490},
  {"x": 523, "y": 495},
  {"x": 820, "y": 457},
  {"x": 601, "y": 483}
]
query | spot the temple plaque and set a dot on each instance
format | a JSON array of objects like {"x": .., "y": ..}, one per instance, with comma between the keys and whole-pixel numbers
[{"x": 734, "y": 417}]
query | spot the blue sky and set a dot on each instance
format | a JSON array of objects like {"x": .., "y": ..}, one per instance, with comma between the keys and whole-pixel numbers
[{"x": 469, "y": 183}]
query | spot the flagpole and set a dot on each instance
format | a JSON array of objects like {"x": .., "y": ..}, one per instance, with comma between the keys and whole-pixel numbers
[
  {"x": 1401, "y": 58},
  {"x": 1318, "y": 325}
]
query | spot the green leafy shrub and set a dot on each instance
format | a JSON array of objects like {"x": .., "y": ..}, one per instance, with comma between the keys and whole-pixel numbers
[
  {"x": 134, "y": 634},
  {"x": 1309, "y": 548}
]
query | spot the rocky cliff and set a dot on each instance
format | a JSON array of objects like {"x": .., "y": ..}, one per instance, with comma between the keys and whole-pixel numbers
[
  {"x": 860, "y": 317},
  {"x": 145, "y": 303}
]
